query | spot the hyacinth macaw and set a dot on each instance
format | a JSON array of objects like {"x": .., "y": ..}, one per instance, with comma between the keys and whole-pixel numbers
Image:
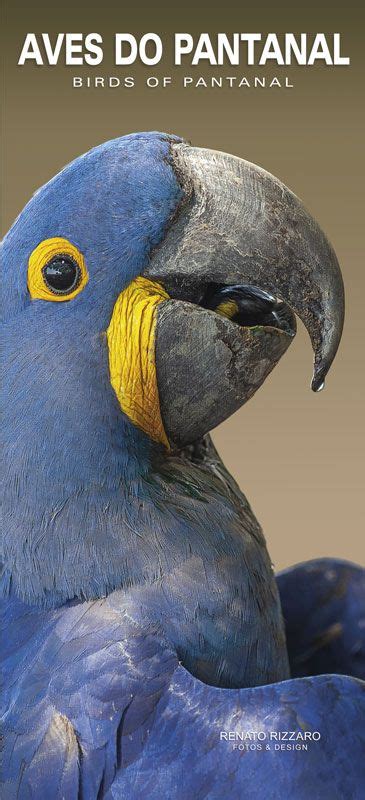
[{"x": 149, "y": 289}]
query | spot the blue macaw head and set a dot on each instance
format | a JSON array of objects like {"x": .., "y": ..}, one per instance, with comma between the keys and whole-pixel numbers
[
  {"x": 219, "y": 239},
  {"x": 150, "y": 287}
]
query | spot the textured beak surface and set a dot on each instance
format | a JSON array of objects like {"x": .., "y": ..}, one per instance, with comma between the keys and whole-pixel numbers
[{"x": 208, "y": 367}]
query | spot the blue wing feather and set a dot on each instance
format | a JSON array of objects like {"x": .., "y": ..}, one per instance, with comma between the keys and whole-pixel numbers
[
  {"x": 323, "y": 604},
  {"x": 97, "y": 705}
]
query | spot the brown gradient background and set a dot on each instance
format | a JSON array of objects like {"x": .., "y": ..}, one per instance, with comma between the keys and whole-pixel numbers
[{"x": 297, "y": 455}]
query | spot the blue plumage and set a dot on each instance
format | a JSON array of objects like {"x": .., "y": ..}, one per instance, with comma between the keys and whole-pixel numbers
[
  {"x": 141, "y": 612},
  {"x": 323, "y": 604},
  {"x": 60, "y": 409},
  {"x": 99, "y": 706}
]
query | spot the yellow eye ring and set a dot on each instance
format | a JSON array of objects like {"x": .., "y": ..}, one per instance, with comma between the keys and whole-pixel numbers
[{"x": 56, "y": 271}]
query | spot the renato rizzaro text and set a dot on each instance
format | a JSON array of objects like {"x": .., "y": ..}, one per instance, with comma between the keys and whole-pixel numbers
[
  {"x": 221, "y": 49},
  {"x": 270, "y": 740}
]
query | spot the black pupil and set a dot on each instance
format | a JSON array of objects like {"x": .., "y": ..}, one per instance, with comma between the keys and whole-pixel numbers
[{"x": 62, "y": 274}]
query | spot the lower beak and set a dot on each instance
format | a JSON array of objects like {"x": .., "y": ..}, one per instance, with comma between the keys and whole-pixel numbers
[
  {"x": 179, "y": 369},
  {"x": 207, "y": 367}
]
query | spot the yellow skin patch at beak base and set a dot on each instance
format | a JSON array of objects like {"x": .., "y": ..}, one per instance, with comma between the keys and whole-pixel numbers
[{"x": 131, "y": 343}]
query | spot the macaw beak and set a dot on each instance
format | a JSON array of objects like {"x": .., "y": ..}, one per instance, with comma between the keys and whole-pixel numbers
[
  {"x": 194, "y": 336},
  {"x": 239, "y": 226}
]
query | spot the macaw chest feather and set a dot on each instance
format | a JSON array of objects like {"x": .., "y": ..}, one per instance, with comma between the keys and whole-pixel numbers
[{"x": 131, "y": 344}]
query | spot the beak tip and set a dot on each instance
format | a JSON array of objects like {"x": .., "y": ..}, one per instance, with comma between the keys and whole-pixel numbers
[
  {"x": 317, "y": 385},
  {"x": 319, "y": 375}
]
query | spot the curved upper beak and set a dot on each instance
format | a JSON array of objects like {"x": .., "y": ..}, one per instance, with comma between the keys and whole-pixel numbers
[{"x": 241, "y": 225}]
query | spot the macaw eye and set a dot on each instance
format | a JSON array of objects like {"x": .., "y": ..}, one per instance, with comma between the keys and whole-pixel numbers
[
  {"x": 56, "y": 271},
  {"x": 62, "y": 274}
]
